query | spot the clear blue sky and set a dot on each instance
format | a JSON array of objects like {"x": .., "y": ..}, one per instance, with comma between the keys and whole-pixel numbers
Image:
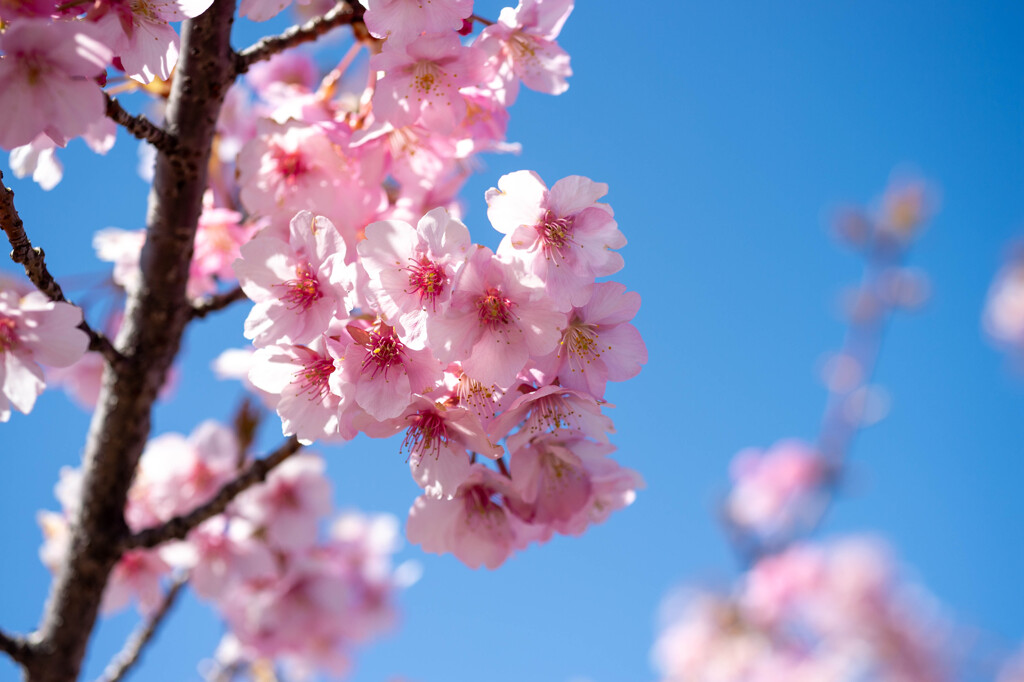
[{"x": 726, "y": 130}]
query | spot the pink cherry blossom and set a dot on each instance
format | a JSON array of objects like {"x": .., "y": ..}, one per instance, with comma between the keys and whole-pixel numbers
[
  {"x": 39, "y": 159},
  {"x": 137, "y": 575},
  {"x": 521, "y": 46},
  {"x": 599, "y": 345},
  {"x": 298, "y": 285},
  {"x": 382, "y": 373},
  {"x": 561, "y": 235},
  {"x": 411, "y": 271},
  {"x": 219, "y": 237},
  {"x": 473, "y": 525},
  {"x": 300, "y": 376},
  {"x": 33, "y": 330},
  {"x": 399, "y": 21},
  {"x": 290, "y": 503},
  {"x": 438, "y": 440},
  {"x": 551, "y": 480},
  {"x": 46, "y": 80},
  {"x": 495, "y": 324},
  {"x": 422, "y": 79},
  {"x": 289, "y": 168},
  {"x": 177, "y": 474},
  {"x": 220, "y": 554},
  {"x": 776, "y": 488},
  {"x": 140, "y": 34},
  {"x": 552, "y": 410}
]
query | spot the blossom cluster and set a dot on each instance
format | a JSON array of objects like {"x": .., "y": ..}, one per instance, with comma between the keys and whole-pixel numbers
[
  {"x": 284, "y": 591},
  {"x": 839, "y": 611},
  {"x": 374, "y": 311},
  {"x": 459, "y": 347}
]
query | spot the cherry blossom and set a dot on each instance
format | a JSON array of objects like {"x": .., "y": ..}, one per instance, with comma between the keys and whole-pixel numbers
[
  {"x": 140, "y": 34},
  {"x": 421, "y": 81},
  {"x": 33, "y": 330},
  {"x": 599, "y": 345},
  {"x": 300, "y": 376},
  {"x": 381, "y": 372},
  {"x": 473, "y": 525},
  {"x": 399, "y": 21},
  {"x": 288, "y": 506},
  {"x": 46, "y": 81},
  {"x": 561, "y": 235},
  {"x": 495, "y": 323},
  {"x": 521, "y": 46},
  {"x": 411, "y": 271},
  {"x": 776, "y": 488},
  {"x": 298, "y": 284}
]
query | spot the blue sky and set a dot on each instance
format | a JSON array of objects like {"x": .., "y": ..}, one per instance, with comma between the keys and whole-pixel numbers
[{"x": 728, "y": 132}]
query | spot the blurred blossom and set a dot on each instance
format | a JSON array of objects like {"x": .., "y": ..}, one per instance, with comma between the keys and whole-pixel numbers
[
  {"x": 775, "y": 489},
  {"x": 839, "y": 612},
  {"x": 1003, "y": 317}
]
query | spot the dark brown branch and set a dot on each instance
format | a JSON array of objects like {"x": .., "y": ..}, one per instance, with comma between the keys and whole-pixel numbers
[
  {"x": 16, "y": 647},
  {"x": 34, "y": 261},
  {"x": 341, "y": 14},
  {"x": 123, "y": 662},
  {"x": 218, "y": 302},
  {"x": 156, "y": 315},
  {"x": 178, "y": 527},
  {"x": 139, "y": 126}
]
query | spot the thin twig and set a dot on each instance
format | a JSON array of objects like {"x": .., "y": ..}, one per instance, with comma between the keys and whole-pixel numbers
[
  {"x": 34, "y": 261},
  {"x": 212, "y": 304},
  {"x": 15, "y": 646},
  {"x": 179, "y": 526},
  {"x": 125, "y": 659},
  {"x": 140, "y": 126},
  {"x": 341, "y": 14}
]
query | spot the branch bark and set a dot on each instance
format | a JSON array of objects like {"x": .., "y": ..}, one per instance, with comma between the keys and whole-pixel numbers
[
  {"x": 155, "y": 319},
  {"x": 123, "y": 662},
  {"x": 341, "y": 14},
  {"x": 140, "y": 127},
  {"x": 212, "y": 304},
  {"x": 179, "y": 526},
  {"x": 34, "y": 261},
  {"x": 16, "y": 647}
]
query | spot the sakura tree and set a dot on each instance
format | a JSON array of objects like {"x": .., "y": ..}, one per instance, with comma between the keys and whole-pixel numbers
[{"x": 331, "y": 205}]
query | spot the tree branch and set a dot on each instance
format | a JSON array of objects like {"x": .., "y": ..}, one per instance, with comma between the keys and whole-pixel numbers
[
  {"x": 178, "y": 527},
  {"x": 34, "y": 261},
  {"x": 16, "y": 647},
  {"x": 123, "y": 662},
  {"x": 156, "y": 315},
  {"x": 341, "y": 14},
  {"x": 139, "y": 126},
  {"x": 212, "y": 304}
]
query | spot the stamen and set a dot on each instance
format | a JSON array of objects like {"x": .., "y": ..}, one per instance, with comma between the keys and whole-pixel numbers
[
  {"x": 580, "y": 343},
  {"x": 550, "y": 413},
  {"x": 555, "y": 234},
  {"x": 304, "y": 290},
  {"x": 289, "y": 164},
  {"x": 313, "y": 378},
  {"x": 427, "y": 279},
  {"x": 7, "y": 338},
  {"x": 426, "y": 435},
  {"x": 385, "y": 350},
  {"x": 493, "y": 309},
  {"x": 426, "y": 76},
  {"x": 481, "y": 399}
]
